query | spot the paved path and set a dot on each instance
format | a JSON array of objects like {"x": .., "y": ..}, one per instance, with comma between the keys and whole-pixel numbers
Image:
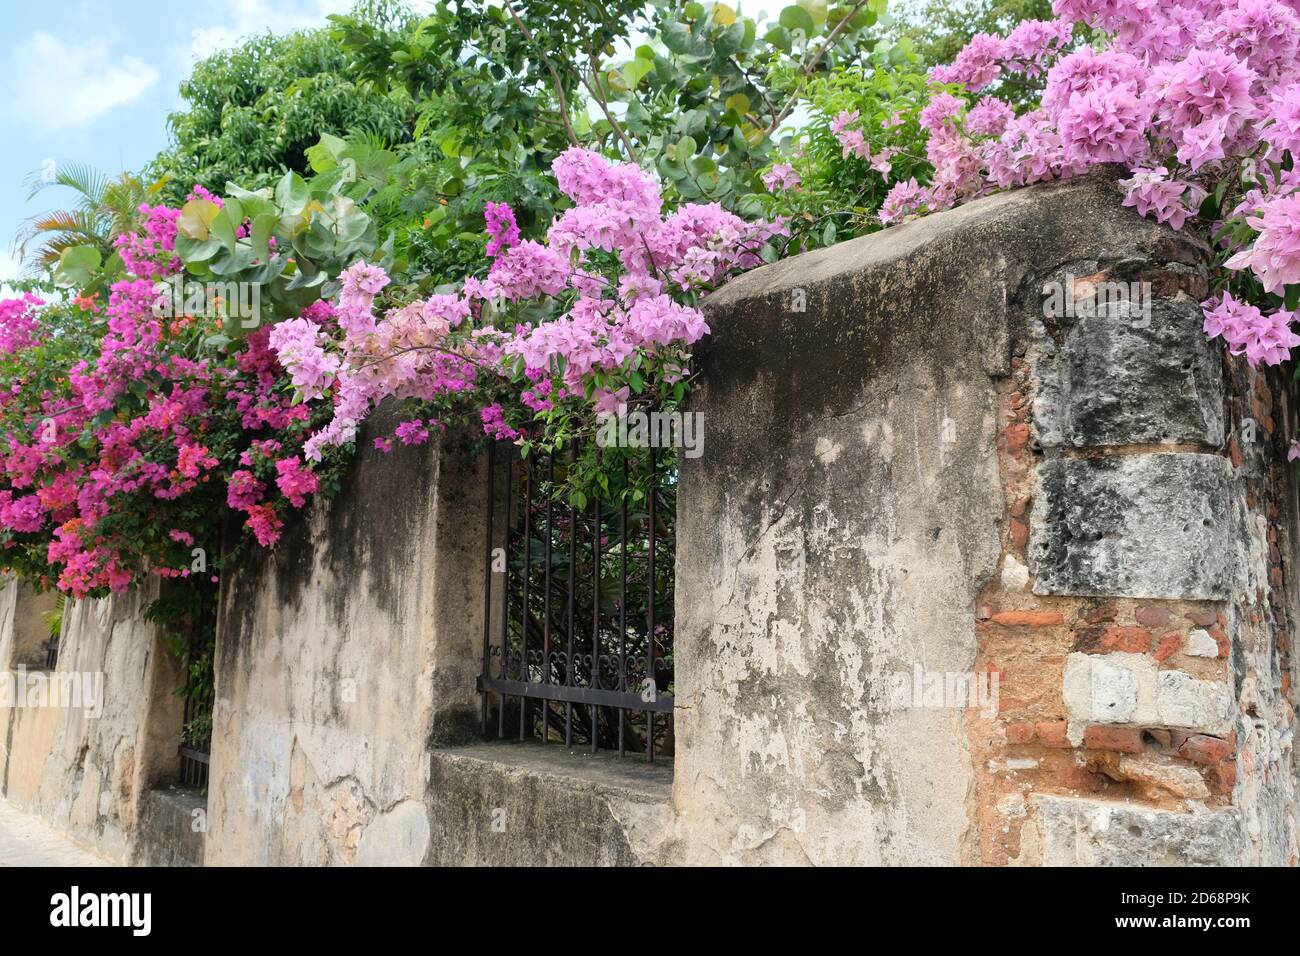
[{"x": 27, "y": 841}]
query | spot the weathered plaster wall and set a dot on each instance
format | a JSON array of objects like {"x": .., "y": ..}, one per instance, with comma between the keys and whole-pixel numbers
[
  {"x": 343, "y": 656},
  {"x": 910, "y": 472},
  {"x": 908, "y": 467},
  {"x": 26, "y": 735},
  {"x": 85, "y": 772},
  {"x": 23, "y": 634}
]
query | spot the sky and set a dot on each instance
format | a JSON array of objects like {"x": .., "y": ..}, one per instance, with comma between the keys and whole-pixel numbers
[
  {"x": 78, "y": 84},
  {"x": 81, "y": 85}
]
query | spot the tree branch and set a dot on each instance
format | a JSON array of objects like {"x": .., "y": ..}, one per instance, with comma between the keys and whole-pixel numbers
[
  {"x": 604, "y": 107},
  {"x": 555, "y": 76},
  {"x": 812, "y": 65}
]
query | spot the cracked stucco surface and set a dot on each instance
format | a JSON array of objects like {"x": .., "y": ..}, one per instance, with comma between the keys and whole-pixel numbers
[
  {"x": 840, "y": 523},
  {"x": 343, "y": 655}
]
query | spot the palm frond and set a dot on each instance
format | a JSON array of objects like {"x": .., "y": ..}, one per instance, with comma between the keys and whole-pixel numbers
[
  {"x": 104, "y": 209},
  {"x": 88, "y": 182},
  {"x": 54, "y": 616}
]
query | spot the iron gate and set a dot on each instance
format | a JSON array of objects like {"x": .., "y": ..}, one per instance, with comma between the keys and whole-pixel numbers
[{"x": 578, "y": 612}]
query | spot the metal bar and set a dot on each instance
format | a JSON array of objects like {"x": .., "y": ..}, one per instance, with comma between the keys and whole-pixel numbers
[
  {"x": 650, "y": 611},
  {"x": 487, "y": 583},
  {"x": 573, "y": 581},
  {"x": 662, "y": 704},
  {"x": 594, "y": 679},
  {"x": 622, "y": 614},
  {"x": 505, "y": 600},
  {"x": 546, "y": 623},
  {"x": 197, "y": 755},
  {"x": 525, "y": 673}
]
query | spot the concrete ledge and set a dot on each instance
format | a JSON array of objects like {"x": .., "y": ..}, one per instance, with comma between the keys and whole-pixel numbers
[
  {"x": 165, "y": 831},
  {"x": 529, "y": 804}
]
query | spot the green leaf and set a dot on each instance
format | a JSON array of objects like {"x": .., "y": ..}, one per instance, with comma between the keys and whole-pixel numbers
[
  {"x": 702, "y": 165},
  {"x": 1291, "y": 301},
  {"x": 324, "y": 156},
  {"x": 228, "y": 263},
  {"x": 1209, "y": 210},
  {"x": 254, "y": 203},
  {"x": 637, "y": 70},
  {"x": 779, "y": 37},
  {"x": 797, "y": 18},
  {"x": 676, "y": 37},
  {"x": 76, "y": 265},
  {"x": 292, "y": 194},
  {"x": 263, "y": 227},
  {"x": 738, "y": 102},
  {"x": 679, "y": 39},
  {"x": 194, "y": 251},
  {"x": 816, "y": 9},
  {"x": 222, "y": 230}
]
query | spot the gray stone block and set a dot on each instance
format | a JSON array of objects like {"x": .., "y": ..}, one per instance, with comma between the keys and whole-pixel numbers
[
  {"x": 1129, "y": 377},
  {"x": 1080, "y": 832},
  {"x": 1152, "y": 526}
]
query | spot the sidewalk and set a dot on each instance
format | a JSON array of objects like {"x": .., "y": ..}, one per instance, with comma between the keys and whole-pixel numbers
[{"x": 26, "y": 841}]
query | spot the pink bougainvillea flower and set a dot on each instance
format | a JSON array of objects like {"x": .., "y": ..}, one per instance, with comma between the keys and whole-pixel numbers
[
  {"x": 781, "y": 176},
  {"x": 1274, "y": 257}
]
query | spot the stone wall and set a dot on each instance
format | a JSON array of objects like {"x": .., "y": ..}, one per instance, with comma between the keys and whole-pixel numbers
[
  {"x": 911, "y": 470},
  {"x": 343, "y": 656},
  {"x": 82, "y": 769},
  {"x": 960, "y": 579}
]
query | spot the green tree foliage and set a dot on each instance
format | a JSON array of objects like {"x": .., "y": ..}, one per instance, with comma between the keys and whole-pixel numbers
[
  {"x": 693, "y": 90},
  {"x": 254, "y": 110},
  {"x": 938, "y": 29},
  {"x": 425, "y": 119},
  {"x": 839, "y": 193}
]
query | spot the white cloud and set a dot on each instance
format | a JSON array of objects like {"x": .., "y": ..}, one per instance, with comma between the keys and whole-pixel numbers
[
  {"x": 58, "y": 84},
  {"x": 249, "y": 17}
]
